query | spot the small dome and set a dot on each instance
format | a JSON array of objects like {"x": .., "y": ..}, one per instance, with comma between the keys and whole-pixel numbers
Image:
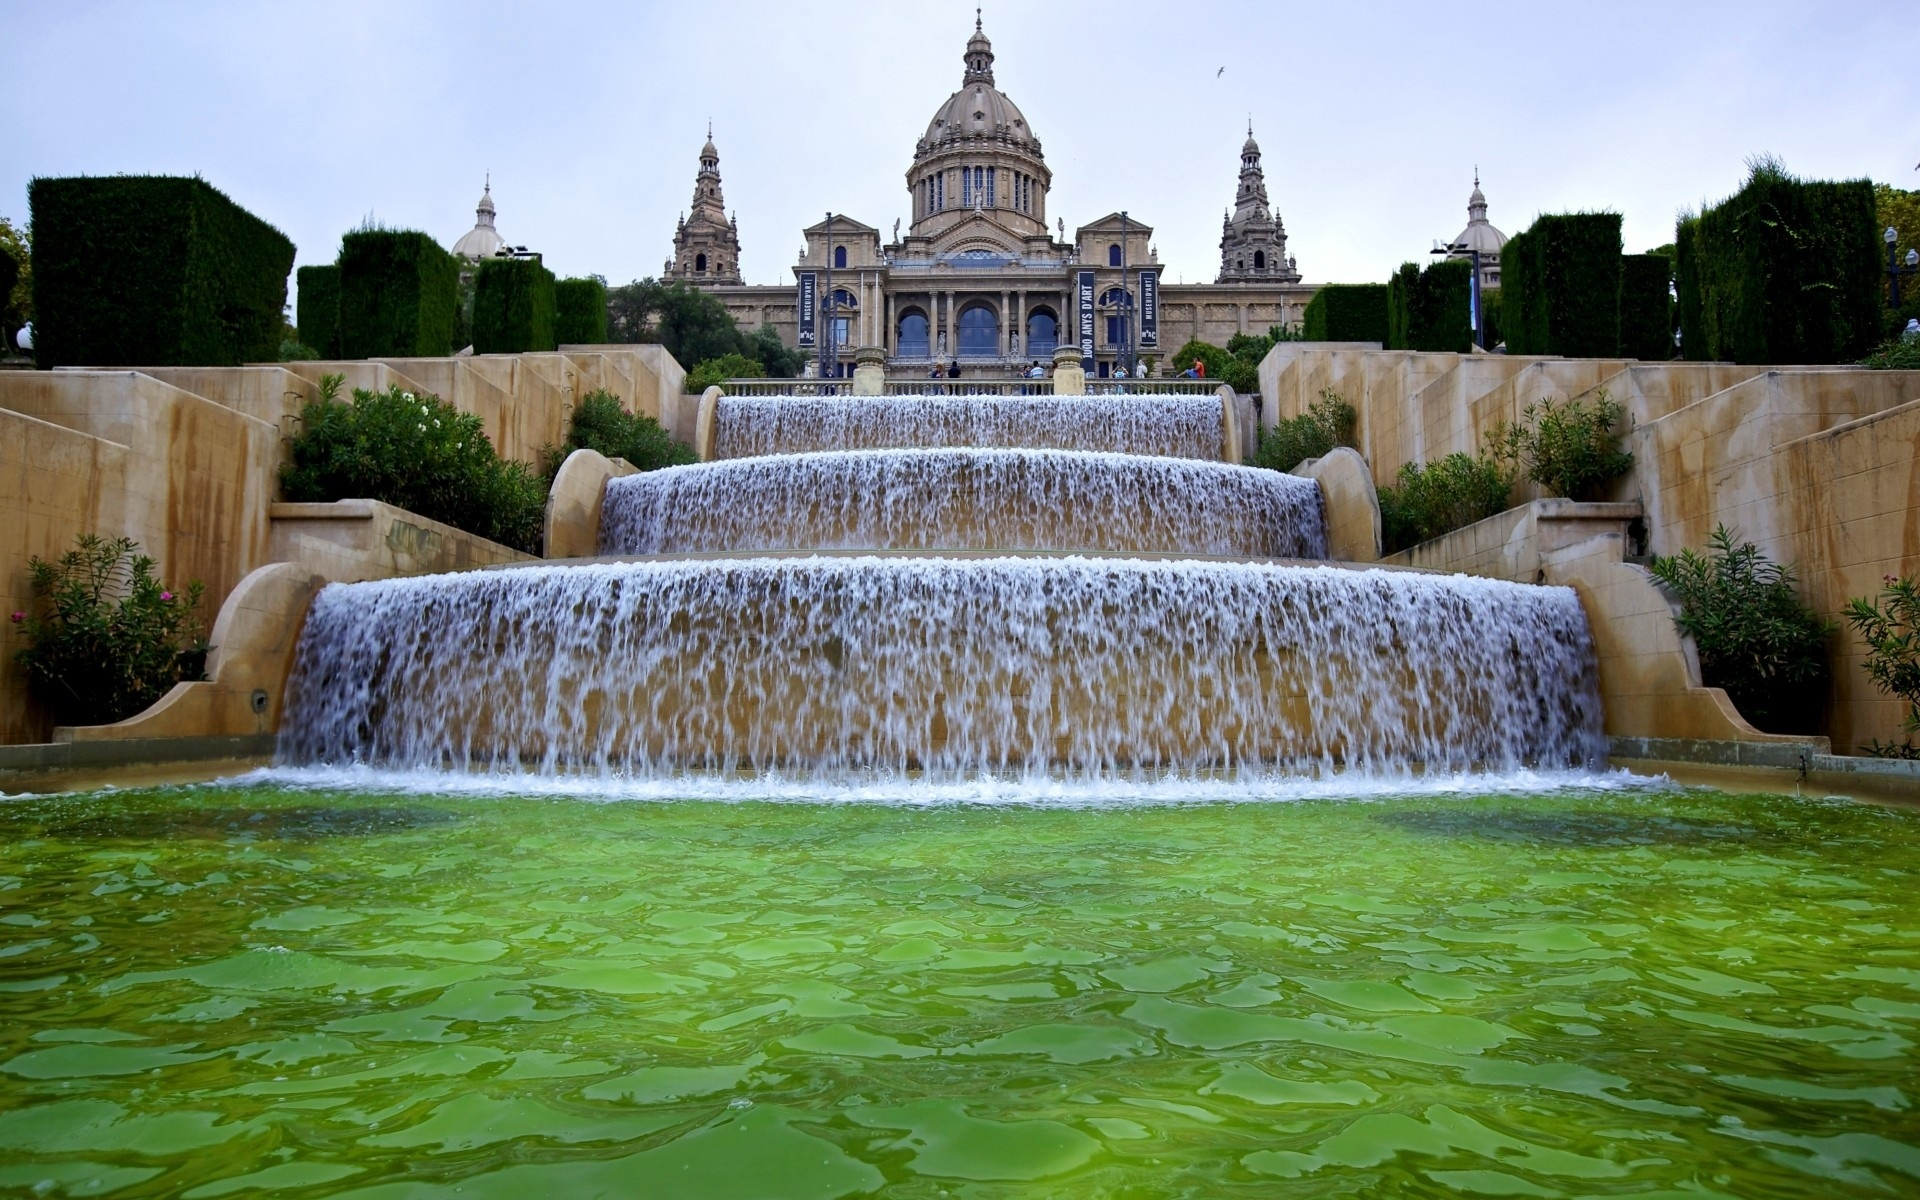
[
  {"x": 482, "y": 241},
  {"x": 1251, "y": 147}
]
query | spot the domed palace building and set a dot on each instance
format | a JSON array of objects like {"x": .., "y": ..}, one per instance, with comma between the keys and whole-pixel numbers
[{"x": 985, "y": 274}]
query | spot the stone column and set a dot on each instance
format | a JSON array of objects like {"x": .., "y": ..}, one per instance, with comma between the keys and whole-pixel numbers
[
  {"x": 870, "y": 371},
  {"x": 1069, "y": 379},
  {"x": 1020, "y": 324},
  {"x": 1006, "y": 325}
]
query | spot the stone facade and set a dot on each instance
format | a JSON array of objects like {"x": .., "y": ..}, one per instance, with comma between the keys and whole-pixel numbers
[{"x": 979, "y": 276}]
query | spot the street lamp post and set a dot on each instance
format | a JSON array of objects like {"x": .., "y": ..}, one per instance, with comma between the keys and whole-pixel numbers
[
  {"x": 1474, "y": 320},
  {"x": 1894, "y": 269},
  {"x": 1125, "y": 355},
  {"x": 830, "y": 335}
]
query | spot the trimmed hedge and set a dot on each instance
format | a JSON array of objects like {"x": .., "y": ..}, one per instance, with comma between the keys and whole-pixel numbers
[
  {"x": 1346, "y": 312},
  {"x": 580, "y": 312},
  {"x": 398, "y": 295},
  {"x": 1646, "y": 307},
  {"x": 138, "y": 270},
  {"x": 1784, "y": 271},
  {"x": 1431, "y": 309},
  {"x": 318, "y": 314},
  {"x": 512, "y": 306},
  {"x": 1560, "y": 286}
]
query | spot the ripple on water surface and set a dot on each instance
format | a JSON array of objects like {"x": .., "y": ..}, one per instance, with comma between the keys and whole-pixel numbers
[{"x": 259, "y": 989}]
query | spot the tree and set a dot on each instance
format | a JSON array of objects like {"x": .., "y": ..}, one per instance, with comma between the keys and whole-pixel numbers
[
  {"x": 692, "y": 325},
  {"x": 16, "y": 303},
  {"x": 776, "y": 359}
]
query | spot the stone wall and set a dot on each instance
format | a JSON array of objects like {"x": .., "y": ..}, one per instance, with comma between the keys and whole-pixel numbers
[
  {"x": 1819, "y": 466},
  {"x": 186, "y": 462}
]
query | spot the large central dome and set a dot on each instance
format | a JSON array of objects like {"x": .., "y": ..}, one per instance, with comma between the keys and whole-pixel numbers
[
  {"x": 978, "y": 109},
  {"x": 979, "y": 166}
]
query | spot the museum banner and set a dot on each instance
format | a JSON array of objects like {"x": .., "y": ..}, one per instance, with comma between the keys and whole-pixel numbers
[
  {"x": 809, "y": 307},
  {"x": 1085, "y": 302},
  {"x": 1149, "y": 310}
]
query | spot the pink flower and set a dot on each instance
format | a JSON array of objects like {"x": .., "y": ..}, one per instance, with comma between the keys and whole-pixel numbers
[
  {"x": 166, "y": 597},
  {"x": 18, "y": 616}
]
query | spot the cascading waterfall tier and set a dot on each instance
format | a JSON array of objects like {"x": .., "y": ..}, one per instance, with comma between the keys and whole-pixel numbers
[
  {"x": 955, "y": 666},
  {"x": 1168, "y": 426},
  {"x": 965, "y": 500}
]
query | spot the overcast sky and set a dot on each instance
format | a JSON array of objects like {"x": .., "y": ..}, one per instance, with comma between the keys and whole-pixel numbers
[{"x": 1372, "y": 116}]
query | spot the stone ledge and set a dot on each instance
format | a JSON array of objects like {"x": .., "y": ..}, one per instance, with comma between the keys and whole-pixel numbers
[
  {"x": 37, "y": 757},
  {"x": 1797, "y": 756}
]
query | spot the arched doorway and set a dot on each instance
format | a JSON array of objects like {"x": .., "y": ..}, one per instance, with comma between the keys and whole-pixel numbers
[
  {"x": 979, "y": 332},
  {"x": 912, "y": 341},
  {"x": 1259, "y": 260},
  {"x": 1043, "y": 333}
]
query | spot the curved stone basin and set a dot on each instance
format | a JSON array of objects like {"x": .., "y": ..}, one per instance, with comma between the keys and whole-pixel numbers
[
  {"x": 964, "y": 499},
  {"x": 954, "y": 666},
  {"x": 1165, "y": 426}
]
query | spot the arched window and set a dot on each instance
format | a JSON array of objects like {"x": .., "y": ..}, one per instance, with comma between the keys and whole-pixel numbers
[
  {"x": 1043, "y": 333},
  {"x": 842, "y": 298},
  {"x": 912, "y": 340},
  {"x": 1113, "y": 256},
  {"x": 1259, "y": 260},
  {"x": 839, "y": 258},
  {"x": 1114, "y": 298},
  {"x": 699, "y": 262},
  {"x": 979, "y": 333},
  {"x": 1239, "y": 264}
]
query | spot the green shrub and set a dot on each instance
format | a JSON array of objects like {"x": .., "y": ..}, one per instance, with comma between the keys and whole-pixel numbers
[
  {"x": 1890, "y": 628},
  {"x": 1347, "y": 312},
  {"x": 1899, "y": 354},
  {"x": 600, "y": 423},
  {"x": 1567, "y": 447},
  {"x": 719, "y": 370},
  {"x": 1784, "y": 271},
  {"x": 295, "y": 350},
  {"x": 1560, "y": 286},
  {"x": 512, "y": 306},
  {"x": 580, "y": 312},
  {"x": 1754, "y": 636},
  {"x": 1431, "y": 309},
  {"x": 318, "y": 314},
  {"x": 110, "y": 639},
  {"x": 1222, "y": 367},
  {"x": 417, "y": 453},
  {"x": 149, "y": 270},
  {"x": 1328, "y": 422},
  {"x": 1646, "y": 307},
  {"x": 399, "y": 295},
  {"x": 1425, "y": 502}
]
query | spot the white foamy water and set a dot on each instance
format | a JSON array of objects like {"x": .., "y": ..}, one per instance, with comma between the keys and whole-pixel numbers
[
  {"x": 918, "y": 790},
  {"x": 1166, "y": 426},
  {"x": 965, "y": 499},
  {"x": 823, "y": 669}
]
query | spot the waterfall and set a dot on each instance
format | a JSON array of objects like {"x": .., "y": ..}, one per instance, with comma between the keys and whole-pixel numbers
[
  {"x": 965, "y": 499},
  {"x": 829, "y": 666},
  {"x": 1169, "y": 426}
]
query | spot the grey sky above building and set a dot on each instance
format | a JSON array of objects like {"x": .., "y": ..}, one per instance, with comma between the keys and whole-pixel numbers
[{"x": 589, "y": 118}]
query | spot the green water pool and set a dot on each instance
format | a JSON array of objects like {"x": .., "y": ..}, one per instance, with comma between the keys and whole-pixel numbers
[{"x": 252, "y": 989}]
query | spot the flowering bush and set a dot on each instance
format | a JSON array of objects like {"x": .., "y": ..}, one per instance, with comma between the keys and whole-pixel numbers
[
  {"x": 419, "y": 453},
  {"x": 110, "y": 639}
]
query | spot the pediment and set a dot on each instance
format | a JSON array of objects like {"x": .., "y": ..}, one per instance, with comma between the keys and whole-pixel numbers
[{"x": 977, "y": 236}]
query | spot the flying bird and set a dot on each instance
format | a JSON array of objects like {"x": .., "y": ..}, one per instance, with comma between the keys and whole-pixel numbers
[{"x": 1223, "y": 71}]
